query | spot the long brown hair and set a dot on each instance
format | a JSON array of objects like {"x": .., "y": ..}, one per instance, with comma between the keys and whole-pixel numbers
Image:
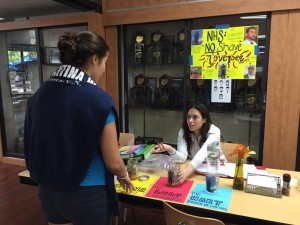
[{"x": 203, "y": 130}]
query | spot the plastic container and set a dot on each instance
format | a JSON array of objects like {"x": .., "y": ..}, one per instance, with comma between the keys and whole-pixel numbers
[{"x": 212, "y": 163}]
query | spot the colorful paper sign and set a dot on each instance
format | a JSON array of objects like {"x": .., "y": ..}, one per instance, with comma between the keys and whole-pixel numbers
[
  {"x": 140, "y": 187},
  {"x": 161, "y": 190},
  {"x": 229, "y": 52},
  {"x": 218, "y": 200}
]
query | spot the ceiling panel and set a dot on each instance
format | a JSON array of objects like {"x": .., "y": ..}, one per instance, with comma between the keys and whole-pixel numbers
[{"x": 11, "y": 9}]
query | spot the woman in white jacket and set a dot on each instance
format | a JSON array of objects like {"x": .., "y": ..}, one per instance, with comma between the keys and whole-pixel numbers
[{"x": 196, "y": 133}]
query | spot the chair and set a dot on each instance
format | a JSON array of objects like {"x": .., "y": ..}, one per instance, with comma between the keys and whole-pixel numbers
[
  {"x": 227, "y": 148},
  {"x": 176, "y": 217},
  {"x": 126, "y": 139},
  {"x": 133, "y": 207}
]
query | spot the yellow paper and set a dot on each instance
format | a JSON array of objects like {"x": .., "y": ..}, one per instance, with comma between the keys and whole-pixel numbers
[
  {"x": 141, "y": 187},
  {"x": 223, "y": 54}
]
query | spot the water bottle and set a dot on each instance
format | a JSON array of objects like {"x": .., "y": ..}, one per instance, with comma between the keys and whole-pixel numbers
[{"x": 212, "y": 162}]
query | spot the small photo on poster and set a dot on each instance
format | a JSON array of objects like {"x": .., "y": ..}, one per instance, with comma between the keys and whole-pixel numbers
[
  {"x": 251, "y": 35},
  {"x": 221, "y": 90},
  {"x": 222, "y": 69},
  {"x": 249, "y": 72},
  {"x": 196, "y": 72},
  {"x": 197, "y": 37}
]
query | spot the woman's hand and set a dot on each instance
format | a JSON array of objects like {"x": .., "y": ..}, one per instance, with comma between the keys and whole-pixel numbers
[
  {"x": 185, "y": 173},
  {"x": 160, "y": 147},
  {"x": 126, "y": 183}
]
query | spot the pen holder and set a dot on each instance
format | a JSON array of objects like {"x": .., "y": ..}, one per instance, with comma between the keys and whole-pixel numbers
[
  {"x": 132, "y": 168},
  {"x": 173, "y": 173}
]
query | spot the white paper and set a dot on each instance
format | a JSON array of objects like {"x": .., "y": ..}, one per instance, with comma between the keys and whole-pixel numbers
[
  {"x": 263, "y": 181},
  {"x": 227, "y": 170},
  {"x": 221, "y": 90}
]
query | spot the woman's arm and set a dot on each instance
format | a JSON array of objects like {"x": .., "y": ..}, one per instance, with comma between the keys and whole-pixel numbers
[
  {"x": 214, "y": 134},
  {"x": 112, "y": 159},
  {"x": 180, "y": 154}
]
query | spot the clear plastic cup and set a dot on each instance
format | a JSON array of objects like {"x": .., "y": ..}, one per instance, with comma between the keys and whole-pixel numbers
[{"x": 173, "y": 173}]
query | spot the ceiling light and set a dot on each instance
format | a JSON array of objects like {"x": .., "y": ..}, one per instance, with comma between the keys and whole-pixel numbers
[{"x": 253, "y": 17}]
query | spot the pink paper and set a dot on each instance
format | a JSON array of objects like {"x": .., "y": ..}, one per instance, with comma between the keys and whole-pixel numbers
[{"x": 161, "y": 190}]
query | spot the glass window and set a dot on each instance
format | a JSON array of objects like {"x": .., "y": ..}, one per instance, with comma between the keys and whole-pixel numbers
[
  {"x": 19, "y": 80},
  {"x": 157, "y": 54},
  {"x": 22, "y": 73}
]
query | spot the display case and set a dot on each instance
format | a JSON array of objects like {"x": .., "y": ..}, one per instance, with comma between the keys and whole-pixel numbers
[
  {"x": 51, "y": 55},
  {"x": 165, "y": 72},
  {"x": 153, "y": 84}
]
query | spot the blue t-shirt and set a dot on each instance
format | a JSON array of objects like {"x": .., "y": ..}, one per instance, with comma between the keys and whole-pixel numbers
[{"x": 96, "y": 172}]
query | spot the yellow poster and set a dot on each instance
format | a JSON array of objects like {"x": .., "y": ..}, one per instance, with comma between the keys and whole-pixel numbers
[
  {"x": 140, "y": 187},
  {"x": 224, "y": 53}
]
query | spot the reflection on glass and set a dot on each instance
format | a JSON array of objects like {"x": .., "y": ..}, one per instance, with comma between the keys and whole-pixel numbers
[{"x": 19, "y": 84}]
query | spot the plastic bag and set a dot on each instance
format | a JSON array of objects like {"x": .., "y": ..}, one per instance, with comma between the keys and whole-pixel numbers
[{"x": 156, "y": 162}]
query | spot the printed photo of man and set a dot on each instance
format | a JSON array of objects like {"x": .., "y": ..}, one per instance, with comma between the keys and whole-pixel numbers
[
  {"x": 250, "y": 74},
  {"x": 250, "y": 35}
]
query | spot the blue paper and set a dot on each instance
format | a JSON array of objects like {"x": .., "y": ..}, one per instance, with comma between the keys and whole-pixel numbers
[
  {"x": 222, "y": 26},
  {"x": 256, "y": 50},
  {"x": 190, "y": 60},
  {"x": 218, "y": 200}
]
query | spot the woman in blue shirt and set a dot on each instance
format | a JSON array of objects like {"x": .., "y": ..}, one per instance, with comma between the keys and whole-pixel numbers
[{"x": 71, "y": 137}]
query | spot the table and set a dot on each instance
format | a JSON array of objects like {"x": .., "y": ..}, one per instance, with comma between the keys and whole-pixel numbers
[{"x": 244, "y": 208}]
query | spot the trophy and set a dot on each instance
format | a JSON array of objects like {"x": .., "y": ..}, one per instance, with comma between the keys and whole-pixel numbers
[
  {"x": 139, "y": 44},
  {"x": 200, "y": 91},
  {"x": 163, "y": 95},
  {"x": 251, "y": 96},
  {"x": 157, "y": 46},
  {"x": 180, "y": 45},
  {"x": 141, "y": 93},
  {"x": 177, "y": 96}
]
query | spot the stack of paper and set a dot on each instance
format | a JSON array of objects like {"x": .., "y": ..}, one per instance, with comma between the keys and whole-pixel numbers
[{"x": 227, "y": 170}]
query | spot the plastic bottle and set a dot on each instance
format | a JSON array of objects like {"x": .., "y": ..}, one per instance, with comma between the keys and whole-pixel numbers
[{"x": 212, "y": 162}]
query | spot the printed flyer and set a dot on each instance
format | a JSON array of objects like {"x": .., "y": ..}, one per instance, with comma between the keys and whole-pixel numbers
[
  {"x": 140, "y": 187},
  {"x": 224, "y": 53},
  {"x": 219, "y": 200},
  {"x": 162, "y": 191}
]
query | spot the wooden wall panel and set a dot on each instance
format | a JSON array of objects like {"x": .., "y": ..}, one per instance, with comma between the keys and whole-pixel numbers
[
  {"x": 13, "y": 161},
  {"x": 124, "y": 4},
  {"x": 129, "y": 13},
  {"x": 95, "y": 24},
  {"x": 112, "y": 64},
  {"x": 283, "y": 98}
]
